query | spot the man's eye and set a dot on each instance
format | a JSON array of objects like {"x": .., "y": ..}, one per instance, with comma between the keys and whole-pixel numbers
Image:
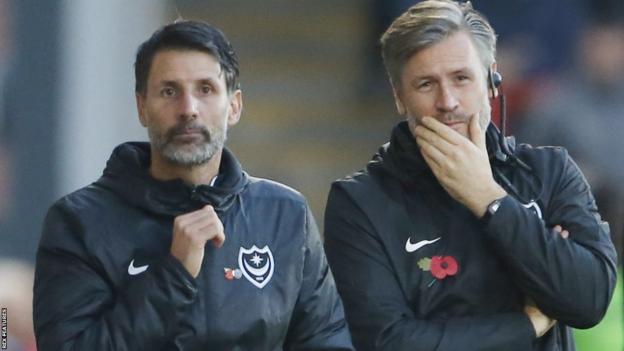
[
  {"x": 206, "y": 89},
  {"x": 424, "y": 85},
  {"x": 168, "y": 92}
]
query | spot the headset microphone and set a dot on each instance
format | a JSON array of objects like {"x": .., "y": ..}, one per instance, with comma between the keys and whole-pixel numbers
[
  {"x": 506, "y": 153},
  {"x": 495, "y": 81}
]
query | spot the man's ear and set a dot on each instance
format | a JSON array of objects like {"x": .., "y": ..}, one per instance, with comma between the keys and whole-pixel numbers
[
  {"x": 398, "y": 102},
  {"x": 235, "y": 108},
  {"x": 140, "y": 104}
]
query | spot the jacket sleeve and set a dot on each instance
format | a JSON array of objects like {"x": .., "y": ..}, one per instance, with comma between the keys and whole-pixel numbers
[
  {"x": 571, "y": 280},
  {"x": 318, "y": 321},
  {"x": 377, "y": 309},
  {"x": 76, "y": 307}
]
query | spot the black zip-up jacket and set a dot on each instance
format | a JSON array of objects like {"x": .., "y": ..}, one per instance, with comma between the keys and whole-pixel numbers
[
  {"x": 418, "y": 271},
  {"x": 105, "y": 279}
]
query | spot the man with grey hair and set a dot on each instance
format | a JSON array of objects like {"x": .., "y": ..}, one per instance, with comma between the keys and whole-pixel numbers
[{"x": 452, "y": 237}]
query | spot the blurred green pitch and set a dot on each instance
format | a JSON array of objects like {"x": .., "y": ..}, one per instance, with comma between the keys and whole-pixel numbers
[{"x": 608, "y": 335}]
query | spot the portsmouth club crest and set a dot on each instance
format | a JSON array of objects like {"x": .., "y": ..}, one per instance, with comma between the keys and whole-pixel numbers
[{"x": 256, "y": 265}]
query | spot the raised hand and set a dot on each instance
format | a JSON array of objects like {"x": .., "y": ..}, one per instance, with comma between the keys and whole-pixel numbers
[
  {"x": 191, "y": 231},
  {"x": 461, "y": 165}
]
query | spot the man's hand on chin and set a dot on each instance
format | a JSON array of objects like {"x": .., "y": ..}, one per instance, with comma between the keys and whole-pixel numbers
[{"x": 460, "y": 164}]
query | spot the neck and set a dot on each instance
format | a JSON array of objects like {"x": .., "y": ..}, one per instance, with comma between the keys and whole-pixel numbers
[{"x": 164, "y": 170}]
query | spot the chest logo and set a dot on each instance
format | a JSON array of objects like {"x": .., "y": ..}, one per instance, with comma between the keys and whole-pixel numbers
[
  {"x": 535, "y": 208},
  {"x": 256, "y": 265},
  {"x": 132, "y": 270},
  {"x": 439, "y": 266},
  {"x": 409, "y": 247}
]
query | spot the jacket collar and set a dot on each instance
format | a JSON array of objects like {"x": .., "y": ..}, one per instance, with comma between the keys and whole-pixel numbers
[{"x": 127, "y": 175}]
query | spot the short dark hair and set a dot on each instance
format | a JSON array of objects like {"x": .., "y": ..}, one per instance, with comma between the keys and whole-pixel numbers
[{"x": 187, "y": 35}]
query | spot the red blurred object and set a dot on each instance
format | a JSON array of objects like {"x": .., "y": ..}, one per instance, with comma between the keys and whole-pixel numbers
[{"x": 443, "y": 266}]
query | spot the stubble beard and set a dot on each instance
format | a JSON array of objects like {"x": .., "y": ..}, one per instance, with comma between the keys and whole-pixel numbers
[
  {"x": 192, "y": 153},
  {"x": 485, "y": 115}
]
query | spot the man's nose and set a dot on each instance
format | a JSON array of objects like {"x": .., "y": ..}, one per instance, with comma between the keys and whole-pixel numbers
[
  {"x": 446, "y": 99},
  {"x": 188, "y": 106}
]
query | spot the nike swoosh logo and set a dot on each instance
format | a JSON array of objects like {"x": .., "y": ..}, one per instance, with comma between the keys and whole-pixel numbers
[
  {"x": 132, "y": 270},
  {"x": 533, "y": 205},
  {"x": 409, "y": 247}
]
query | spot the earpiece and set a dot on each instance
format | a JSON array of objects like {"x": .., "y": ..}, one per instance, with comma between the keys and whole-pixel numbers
[
  {"x": 497, "y": 79},
  {"x": 494, "y": 81},
  {"x": 507, "y": 144}
]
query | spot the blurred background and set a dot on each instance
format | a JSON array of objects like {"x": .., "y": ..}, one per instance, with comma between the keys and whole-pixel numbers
[{"x": 316, "y": 102}]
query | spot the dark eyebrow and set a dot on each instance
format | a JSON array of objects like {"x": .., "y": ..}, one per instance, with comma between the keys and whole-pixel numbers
[
  {"x": 211, "y": 81},
  {"x": 425, "y": 77},
  {"x": 168, "y": 83},
  {"x": 173, "y": 83}
]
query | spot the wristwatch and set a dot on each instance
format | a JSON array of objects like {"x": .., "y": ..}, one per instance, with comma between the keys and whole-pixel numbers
[{"x": 491, "y": 210}]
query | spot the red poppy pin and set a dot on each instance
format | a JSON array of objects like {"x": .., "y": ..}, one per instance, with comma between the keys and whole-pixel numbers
[
  {"x": 439, "y": 266},
  {"x": 231, "y": 274}
]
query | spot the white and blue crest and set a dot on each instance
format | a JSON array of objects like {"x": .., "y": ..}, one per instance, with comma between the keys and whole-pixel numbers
[{"x": 256, "y": 264}]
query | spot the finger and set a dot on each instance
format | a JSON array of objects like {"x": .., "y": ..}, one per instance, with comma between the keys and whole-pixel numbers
[
  {"x": 434, "y": 139},
  {"x": 431, "y": 153},
  {"x": 214, "y": 233},
  {"x": 438, "y": 172},
  {"x": 476, "y": 133},
  {"x": 208, "y": 230},
  {"x": 431, "y": 163},
  {"x": 201, "y": 223},
  {"x": 197, "y": 230},
  {"x": 197, "y": 220},
  {"x": 193, "y": 218},
  {"x": 447, "y": 133},
  {"x": 559, "y": 229}
]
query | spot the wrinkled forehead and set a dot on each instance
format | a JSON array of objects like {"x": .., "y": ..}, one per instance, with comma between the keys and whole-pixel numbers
[{"x": 455, "y": 53}]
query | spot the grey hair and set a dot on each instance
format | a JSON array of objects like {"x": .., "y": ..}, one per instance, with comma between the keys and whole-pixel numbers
[{"x": 429, "y": 22}]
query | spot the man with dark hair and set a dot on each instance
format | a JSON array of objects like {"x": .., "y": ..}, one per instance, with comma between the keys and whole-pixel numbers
[
  {"x": 453, "y": 238},
  {"x": 124, "y": 263}
]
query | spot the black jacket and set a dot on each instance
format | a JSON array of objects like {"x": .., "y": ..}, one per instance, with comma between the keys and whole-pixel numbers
[
  {"x": 376, "y": 224},
  {"x": 105, "y": 279}
]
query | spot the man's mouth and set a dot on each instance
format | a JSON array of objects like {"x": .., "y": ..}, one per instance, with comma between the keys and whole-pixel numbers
[
  {"x": 454, "y": 124},
  {"x": 450, "y": 124},
  {"x": 188, "y": 134}
]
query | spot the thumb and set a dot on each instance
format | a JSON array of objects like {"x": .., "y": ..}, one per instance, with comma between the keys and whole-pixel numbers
[{"x": 477, "y": 136}]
